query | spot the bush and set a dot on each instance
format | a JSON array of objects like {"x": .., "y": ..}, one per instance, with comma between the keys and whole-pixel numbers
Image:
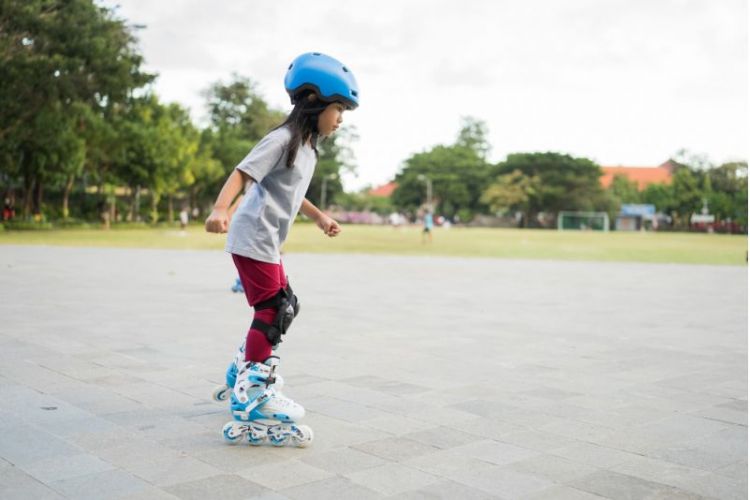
[
  {"x": 71, "y": 223},
  {"x": 18, "y": 225}
]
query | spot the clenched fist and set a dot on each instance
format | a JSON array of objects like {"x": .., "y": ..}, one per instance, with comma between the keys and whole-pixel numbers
[
  {"x": 329, "y": 226},
  {"x": 217, "y": 222}
]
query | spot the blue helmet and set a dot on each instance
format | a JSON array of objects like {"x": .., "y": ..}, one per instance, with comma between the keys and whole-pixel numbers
[{"x": 327, "y": 77}]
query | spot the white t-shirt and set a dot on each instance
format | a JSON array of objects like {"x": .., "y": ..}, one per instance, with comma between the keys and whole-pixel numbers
[{"x": 262, "y": 221}]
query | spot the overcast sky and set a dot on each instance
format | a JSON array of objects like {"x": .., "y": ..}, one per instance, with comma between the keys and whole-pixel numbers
[{"x": 622, "y": 82}]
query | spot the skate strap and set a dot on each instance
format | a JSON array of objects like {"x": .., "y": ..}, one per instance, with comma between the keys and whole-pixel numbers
[{"x": 260, "y": 401}]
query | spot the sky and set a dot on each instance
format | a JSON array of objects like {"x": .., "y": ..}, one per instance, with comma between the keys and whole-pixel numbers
[{"x": 621, "y": 82}]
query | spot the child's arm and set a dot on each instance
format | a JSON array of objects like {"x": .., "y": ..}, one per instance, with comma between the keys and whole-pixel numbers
[
  {"x": 329, "y": 226},
  {"x": 218, "y": 220}
]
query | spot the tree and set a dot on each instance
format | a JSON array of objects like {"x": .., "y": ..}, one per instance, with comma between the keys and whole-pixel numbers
[
  {"x": 659, "y": 195},
  {"x": 473, "y": 135},
  {"x": 458, "y": 174},
  {"x": 624, "y": 190},
  {"x": 335, "y": 157},
  {"x": 513, "y": 192},
  {"x": 728, "y": 196},
  {"x": 565, "y": 182},
  {"x": 239, "y": 118},
  {"x": 95, "y": 64},
  {"x": 687, "y": 194}
]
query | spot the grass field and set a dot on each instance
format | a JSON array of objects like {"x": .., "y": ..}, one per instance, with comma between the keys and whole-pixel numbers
[{"x": 691, "y": 248}]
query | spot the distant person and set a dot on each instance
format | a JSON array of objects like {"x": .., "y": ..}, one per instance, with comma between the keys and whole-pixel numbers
[
  {"x": 9, "y": 212},
  {"x": 184, "y": 218},
  {"x": 427, "y": 227},
  {"x": 395, "y": 219},
  {"x": 276, "y": 174}
]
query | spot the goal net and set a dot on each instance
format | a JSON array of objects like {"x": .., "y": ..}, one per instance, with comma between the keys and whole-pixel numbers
[{"x": 582, "y": 221}]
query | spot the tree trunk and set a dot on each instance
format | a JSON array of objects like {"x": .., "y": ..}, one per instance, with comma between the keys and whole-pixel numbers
[
  {"x": 170, "y": 209},
  {"x": 29, "y": 181},
  {"x": 112, "y": 207},
  {"x": 137, "y": 203},
  {"x": 66, "y": 197},
  {"x": 193, "y": 202},
  {"x": 38, "y": 190},
  {"x": 155, "y": 207}
]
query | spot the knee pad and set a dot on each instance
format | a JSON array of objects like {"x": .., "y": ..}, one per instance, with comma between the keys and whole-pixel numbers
[{"x": 287, "y": 307}]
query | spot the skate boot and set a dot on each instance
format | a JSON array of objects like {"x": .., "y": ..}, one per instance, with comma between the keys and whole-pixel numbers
[
  {"x": 221, "y": 393},
  {"x": 261, "y": 413},
  {"x": 237, "y": 287}
]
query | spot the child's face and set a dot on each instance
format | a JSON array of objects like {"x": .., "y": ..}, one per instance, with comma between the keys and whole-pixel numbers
[{"x": 330, "y": 119}]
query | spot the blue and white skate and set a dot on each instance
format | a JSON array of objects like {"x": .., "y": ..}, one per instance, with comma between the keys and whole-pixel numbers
[
  {"x": 237, "y": 287},
  {"x": 221, "y": 393},
  {"x": 261, "y": 413}
]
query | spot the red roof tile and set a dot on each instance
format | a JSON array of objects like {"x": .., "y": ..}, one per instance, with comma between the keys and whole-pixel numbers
[
  {"x": 642, "y": 175},
  {"x": 385, "y": 190}
]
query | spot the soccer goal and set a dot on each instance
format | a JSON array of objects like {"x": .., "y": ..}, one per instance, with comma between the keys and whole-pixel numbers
[{"x": 586, "y": 221}]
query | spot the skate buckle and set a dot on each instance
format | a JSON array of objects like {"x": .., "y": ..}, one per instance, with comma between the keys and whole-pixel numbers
[{"x": 271, "y": 379}]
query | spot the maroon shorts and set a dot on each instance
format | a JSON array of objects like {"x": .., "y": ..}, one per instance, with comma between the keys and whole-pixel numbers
[{"x": 261, "y": 281}]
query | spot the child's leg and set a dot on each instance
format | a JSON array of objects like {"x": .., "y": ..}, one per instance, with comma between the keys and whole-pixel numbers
[{"x": 261, "y": 280}]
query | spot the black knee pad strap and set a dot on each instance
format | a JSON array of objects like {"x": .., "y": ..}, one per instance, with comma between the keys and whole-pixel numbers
[{"x": 287, "y": 307}]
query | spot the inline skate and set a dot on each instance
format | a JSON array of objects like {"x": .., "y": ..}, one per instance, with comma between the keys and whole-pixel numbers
[{"x": 261, "y": 413}]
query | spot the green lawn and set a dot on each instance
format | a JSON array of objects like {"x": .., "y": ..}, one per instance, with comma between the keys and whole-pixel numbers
[{"x": 467, "y": 242}]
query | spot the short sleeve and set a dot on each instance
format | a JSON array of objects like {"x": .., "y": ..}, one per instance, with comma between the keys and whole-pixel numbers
[{"x": 262, "y": 158}]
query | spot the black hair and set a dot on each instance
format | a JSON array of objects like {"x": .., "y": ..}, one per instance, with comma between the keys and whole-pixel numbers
[{"x": 302, "y": 122}]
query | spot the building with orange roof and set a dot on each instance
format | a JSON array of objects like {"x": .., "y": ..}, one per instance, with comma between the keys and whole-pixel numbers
[
  {"x": 642, "y": 175},
  {"x": 384, "y": 191}
]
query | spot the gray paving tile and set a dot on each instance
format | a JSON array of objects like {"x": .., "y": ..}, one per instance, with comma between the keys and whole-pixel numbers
[
  {"x": 391, "y": 479},
  {"x": 591, "y": 454},
  {"x": 335, "y": 487},
  {"x": 536, "y": 440},
  {"x": 655, "y": 470},
  {"x": 16, "y": 484},
  {"x": 343, "y": 460},
  {"x": 396, "y": 424},
  {"x": 447, "y": 490},
  {"x": 234, "y": 458},
  {"x": 562, "y": 493},
  {"x": 107, "y": 484},
  {"x": 736, "y": 470},
  {"x": 24, "y": 444},
  {"x": 620, "y": 486},
  {"x": 552, "y": 468},
  {"x": 494, "y": 452},
  {"x": 709, "y": 453},
  {"x": 280, "y": 475},
  {"x": 222, "y": 486},
  {"x": 503, "y": 482},
  {"x": 713, "y": 486},
  {"x": 395, "y": 449},
  {"x": 174, "y": 470},
  {"x": 442, "y": 437},
  {"x": 58, "y": 468},
  {"x": 445, "y": 463}
]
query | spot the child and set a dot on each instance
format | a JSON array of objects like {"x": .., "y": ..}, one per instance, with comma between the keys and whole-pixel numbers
[
  {"x": 276, "y": 175},
  {"x": 427, "y": 231}
]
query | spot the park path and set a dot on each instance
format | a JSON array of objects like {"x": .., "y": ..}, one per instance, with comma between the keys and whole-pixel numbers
[{"x": 422, "y": 377}]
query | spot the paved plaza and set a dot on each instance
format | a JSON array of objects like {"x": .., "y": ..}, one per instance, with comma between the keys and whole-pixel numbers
[{"x": 422, "y": 378}]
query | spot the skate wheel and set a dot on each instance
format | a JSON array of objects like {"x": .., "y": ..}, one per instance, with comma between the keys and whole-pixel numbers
[
  {"x": 255, "y": 438},
  {"x": 231, "y": 433},
  {"x": 303, "y": 436},
  {"x": 221, "y": 393}
]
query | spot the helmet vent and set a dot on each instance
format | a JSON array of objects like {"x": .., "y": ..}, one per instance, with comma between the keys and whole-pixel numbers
[
  {"x": 355, "y": 93},
  {"x": 316, "y": 53},
  {"x": 290, "y": 66},
  {"x": 344, "y": 68}
]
